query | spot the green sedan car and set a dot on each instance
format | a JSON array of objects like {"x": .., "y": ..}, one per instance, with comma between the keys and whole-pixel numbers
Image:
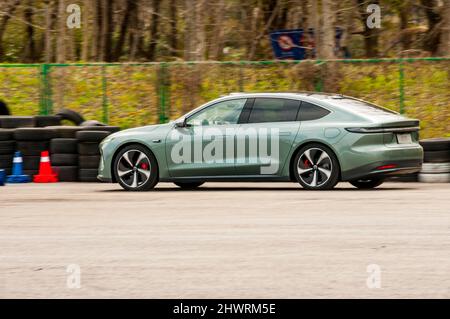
[{"x": 315, "y": 139}]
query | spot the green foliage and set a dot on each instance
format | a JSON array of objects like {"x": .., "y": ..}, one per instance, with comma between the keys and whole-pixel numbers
[{"x": 133, "y": 91}]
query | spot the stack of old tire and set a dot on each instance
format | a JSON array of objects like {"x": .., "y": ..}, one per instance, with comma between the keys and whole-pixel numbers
[
  {"x": 64, "y": 157},
  {"x": 7, "y": 148},
  {"x": 436, "y": 163},
  {"x": 31, "y": 141},
  {"x": 89, "y": 152}
]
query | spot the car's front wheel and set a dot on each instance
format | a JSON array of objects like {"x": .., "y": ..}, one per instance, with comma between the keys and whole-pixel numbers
[
  {"x": 316, "y": 167},
  {"x": 187, "y": 185},
  {"x": 367, "y": 183},
  {"x": 135, "y": 168}
]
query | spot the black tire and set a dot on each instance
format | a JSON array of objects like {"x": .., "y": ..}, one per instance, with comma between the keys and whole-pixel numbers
[
  {"x": 91, "y": 136},
  {"x": 107, "y": 128},
  {"x": 92, "y": 123},
  {"x": 435, "y": 144},
  {"x": 331, "y": 164},
  {"x": 6, "y": 161},
  {"x": 89, "y": 161},
  {"x": 7, "y": 147},
  {"x": 64, "y": 159},
  {"x": 63, "y": 146},
  {"x": 31, "y": 162},
  {"x": 16, "y": 121},
  {"x": 153, "y": 177},
  {"x": 34, "y": 134},
  {"x": 367, "y": 183},
  {"x": 66, "y": 173},
  {"x": 32, "y": 148},
  {"x": 88, "y": 175},
  {"x": 88, "y": 148},
  {"x": 437, "y": 156},
  {"x": 6, "y": 134},
  {"x": 65, "y": 131},
  {"x": 75, "y": 117},
  {"x": 47, "y": 120},
  {"x": 186, "y": 185},
  {"x": 6, "y": 158}
]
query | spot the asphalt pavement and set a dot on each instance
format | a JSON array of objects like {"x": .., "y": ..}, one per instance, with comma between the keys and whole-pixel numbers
[{"x": 224, "y": 240}]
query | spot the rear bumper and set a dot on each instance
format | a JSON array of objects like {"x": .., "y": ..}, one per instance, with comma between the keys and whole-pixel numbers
[{"x": 373, "y": 169}]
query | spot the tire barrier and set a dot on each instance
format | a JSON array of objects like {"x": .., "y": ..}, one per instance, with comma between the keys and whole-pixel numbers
[
  {"x": 64, "y": 156},
  {"x": 89, "y": 153},
  {"x": 436, "y": 166},
  {"x": 7, "y": 121},
  {"x": 7, "y": 148},
  {"x": 72, "y": 116},
  {"x": 47, "y": 120}
]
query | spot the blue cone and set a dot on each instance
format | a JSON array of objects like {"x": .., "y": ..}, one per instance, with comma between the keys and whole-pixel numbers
[
  {"x": 17, "y": 174},
  {"x": 2, "y": 177}
]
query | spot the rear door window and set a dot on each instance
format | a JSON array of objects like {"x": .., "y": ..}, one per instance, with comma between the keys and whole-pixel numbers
[{"x": 273, "y": 110}]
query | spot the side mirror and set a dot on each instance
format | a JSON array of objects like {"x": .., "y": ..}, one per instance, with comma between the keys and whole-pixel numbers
[{"x": 181, "y": 123}]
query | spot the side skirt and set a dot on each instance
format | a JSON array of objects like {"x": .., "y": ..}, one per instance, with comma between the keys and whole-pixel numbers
[{"x": 247, "y": 178}]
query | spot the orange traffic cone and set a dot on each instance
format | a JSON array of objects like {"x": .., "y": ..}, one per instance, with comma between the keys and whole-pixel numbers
[{"x": 46, "y": 174}]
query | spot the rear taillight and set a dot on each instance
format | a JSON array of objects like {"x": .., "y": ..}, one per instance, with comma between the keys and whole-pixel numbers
[{"x": 369, "y": 130}]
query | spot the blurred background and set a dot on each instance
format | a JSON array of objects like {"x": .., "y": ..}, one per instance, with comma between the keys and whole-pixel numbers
[{"x": 137, "y": 62}]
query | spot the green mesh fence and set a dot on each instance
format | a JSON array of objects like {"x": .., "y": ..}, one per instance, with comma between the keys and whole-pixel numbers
[{"x": 135, "y": 94}]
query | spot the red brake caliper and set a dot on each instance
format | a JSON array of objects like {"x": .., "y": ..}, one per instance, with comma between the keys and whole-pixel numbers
[
  {"x": 306, "y": 162},
  {"x": 144, "y": 166}
]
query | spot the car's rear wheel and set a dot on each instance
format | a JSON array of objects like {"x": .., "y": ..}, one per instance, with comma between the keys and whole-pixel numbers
[
  {"x": 186, "y": 185},
  {"x": 136, "y": 169},
  {"x": 316, "y": 167},
  {"x": 367, "y": 183}
]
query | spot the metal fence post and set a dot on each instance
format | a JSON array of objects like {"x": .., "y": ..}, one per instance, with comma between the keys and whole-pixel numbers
[
  {"x": 318, "y": 85},
  {"x": 401, "y": 86},
  {"x": 105, "y": 109},
  {"x": 45, "y": 103},
  {"x": 163, "y": 92},
  {"x": 241, "y": 77}
]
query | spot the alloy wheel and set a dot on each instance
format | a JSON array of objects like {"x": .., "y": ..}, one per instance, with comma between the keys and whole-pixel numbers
[
  {"x": 134, "y": 168},
  {"x": 314, "y": 167}
]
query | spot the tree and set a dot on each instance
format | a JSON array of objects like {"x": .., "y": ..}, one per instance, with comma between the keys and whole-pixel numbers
[
  {"x": 328, "y": 43},
  {"x": 444, "y": 44},
  {"x": 61, "y": 41},
  {"x": 4, "y": 21},
  {"x": 130, "y": 7},
  {"x": 154, "y": 34},
  {"x": 30, "y": 45}
]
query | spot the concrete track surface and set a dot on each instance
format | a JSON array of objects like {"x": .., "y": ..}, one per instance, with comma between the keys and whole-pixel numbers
[{"x": 224, "y": 241}]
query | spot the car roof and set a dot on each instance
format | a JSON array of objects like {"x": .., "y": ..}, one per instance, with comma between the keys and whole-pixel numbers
[
  {"x": 292, "y": 95},
  {"x": 321, "y": 98}
]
